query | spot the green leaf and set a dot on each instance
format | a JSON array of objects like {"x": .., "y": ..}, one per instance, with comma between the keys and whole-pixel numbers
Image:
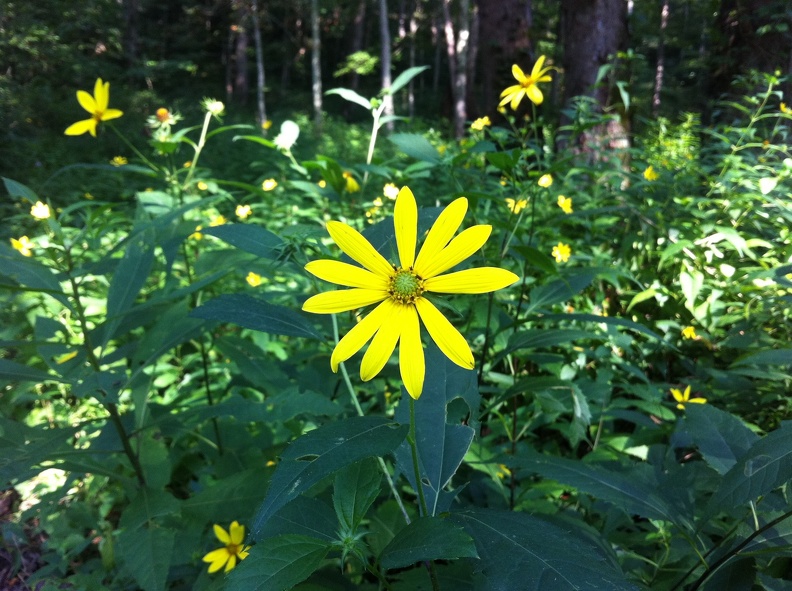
[
  {"x": 173, "y": 328},
  {"x": 305, "y": 516},
  {"x": 154, "y": 459},
  {"x": 32, "y": 275},
  {"x": 351, "y": 96},
  {"x": 256, "y": 139},
  {"x": 354, "y": 490},
  {"x": 536, "y": 258},
  {"x": 146, "y": 554},
  {"x": 321, "y": 452},
  {"x": 721, "y": 437},
  {"x": 278, "y": 563},
  {"x": 247, "y": 237},
  {"x": 404, "y": 78},
  {"x": 23, "y": 449},
  {"x": 766, "y": 357},
  {"x": 547, "y": 337},
  {"x": 256, "y": 314},
  {"x": 503, "y": 161},
  {"x": 520, "y": 551},
  {"x": 19, "y": 191},
  {"x": 428, "y": 538},
  {"x": 766, "y": 465},
  {"x": 609, "y": 321},
  {"x": 559, "y": 290},
  {"x": 416, "y": 146},
  {"x": 17, "y": 372}
]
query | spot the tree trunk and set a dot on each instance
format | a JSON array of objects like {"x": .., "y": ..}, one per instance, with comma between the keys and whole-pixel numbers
[
  {"x": 357, "y": 40},
  {"x": 261, "y": 107},
  {"x": 241, "y": 85},
  {"x": 413, "y": 32},
  {"x": 130, "y": 36},
  {"x": 458, "y": 47},
  {"x": 386, "y": 59},
  {"x": 660, "y": 59},
  {"x": 316, "y": 66}
]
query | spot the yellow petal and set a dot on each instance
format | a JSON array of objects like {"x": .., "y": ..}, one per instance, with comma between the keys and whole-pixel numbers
[
  {"x": 448, "y": 338},
  {"x": 698, "y": 400},
  {"x": 86, "y": 101},
  {"x": 441, "y": 232},
  {"x": 102, "y": 95},
  {"x": 537, "y": 69},
  {"x": 509, "y": 91},
  {"x": 232, "y": 560},
  {"x": 331, "y": 302},
  {"x": 515, "y": 102},
  {"x": 244, "y": 553},
  {"x": 81, "y": 127},
  {"x": 460, "y": 248},
  {"x": 518, "y": 73},
  {"x": 686, "y": 393},
  {"x": 478, "y": 280},
  {"x": 412, "y": 364},
  {"x": 217, "y": 558},
  {"x": 677, "y": 395},
  {"x": 221, "y": 534},
  {"x": 360, "y": 334},
  {"x": 237, "y": 533},
  {"x": 111, "y": 114},
  {"x": 346, "y": 274},
  {"x": 405, "y": 222},
  {"x": 534, "y": 94},
  {"x": 383, "y": 344},
  {"x": 358, "y": 248}
]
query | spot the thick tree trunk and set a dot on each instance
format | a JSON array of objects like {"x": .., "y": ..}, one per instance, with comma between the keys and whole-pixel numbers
[
  {"x": 316, "y": 66},
  {"x": 385, "y": 59},
  {"x": 458, "y": 47},
  {"x": 261, "y": 107}
]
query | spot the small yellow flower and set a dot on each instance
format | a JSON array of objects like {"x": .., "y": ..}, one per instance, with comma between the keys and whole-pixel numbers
[
  {"x": 561, "y": 252},
  {"x": 390, "y": 191},
  {"x": 684, "y": 398},
  {"x": 503, "y": 181},
  {"x": 398, "y": 290},
  {"x": 242, "y": 211},
  {"x": 202, "y": 186},
  {"x": 352, "y": 186},
  {"x": 40, "y": 211},
  {"x": 527, "y": 85},
  {"x": 650, "y": 175},
  {"x": 253, "y": 279},
  {"x": 217, "y": 220},
  {"x": 65, "y": 357},
  {"x": 233, "y": 548},
  {"x": 322, "y": 184},
  {"x": 96, "y": 105},
  {"x": 266, "y": 124},
  {"x": 89, "y": 197},
  {"x": 516, "y": 206},
  {"x": 545, "y": 181},
  {"x": 689, "y": 332},
  {"x": 119, "y": 161},
  {"x": 480, "y": 123},
  {"x": 378, "y": 202},
  {"x": 269, "y": 184},
  {"x": 187, "y": 164},
  {"x": 442, "y": 149},
  {"x": 786, "y": 110},
  {"x": 23, "y": 246},
  {"x": 197, "y": 234},
  {"x": 163, "y": 114},
  {"x": 565, "y": 203}
]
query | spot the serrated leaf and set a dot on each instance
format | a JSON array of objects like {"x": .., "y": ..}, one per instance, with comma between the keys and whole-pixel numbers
[
  {"x": 256, "y": 314},
  {"x": 321, "y": 452},
  {"x": 520, "y": 551},
  {"x": 354, "y": 490},
  {"x": 351, "y": 96},
  {"x": 721, "y": 437},
  {"x": 428, "y": 538},
  {"x": 248, "y": 237},
  {"x": 416, "y": 146}
]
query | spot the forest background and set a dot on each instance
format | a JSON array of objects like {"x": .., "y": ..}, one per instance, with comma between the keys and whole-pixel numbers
[{"x": 627, "y": 425}]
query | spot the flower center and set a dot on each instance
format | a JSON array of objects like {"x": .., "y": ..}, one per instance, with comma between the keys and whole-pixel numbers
[
  {"x": 405, "y": 286},
  {"x": 232, "y": 549}
]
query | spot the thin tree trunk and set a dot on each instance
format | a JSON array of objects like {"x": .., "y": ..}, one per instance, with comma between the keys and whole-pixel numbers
[
  {"x": 658, "y": 87},
  {"x": 386, "y": 59},
  {"x": 413, "y": 33},
  {"x": 262, "y": 110},
  {"x": 241, "y": 85},
  {"x": 457, "y": 44},
  {"x": 357, "y": 40},
  {"x": 316, "y": 65},
  {"x": 130, "y": 34}
]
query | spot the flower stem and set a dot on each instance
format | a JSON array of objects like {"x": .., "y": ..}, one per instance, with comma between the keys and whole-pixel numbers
[
  {"x": 198, "y": 148},
  {"x": 129, "y": 145}
]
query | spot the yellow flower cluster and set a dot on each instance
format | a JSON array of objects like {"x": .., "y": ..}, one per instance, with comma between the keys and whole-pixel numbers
[
  {"x": 480, "y": 123},
  {"x": 516, "y": 206}
]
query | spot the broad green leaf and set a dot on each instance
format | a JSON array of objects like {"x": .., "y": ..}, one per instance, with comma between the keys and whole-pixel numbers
[
  {"x": 278, "y": 563},
  {"x": 225, "y": 128},
  {"x": 520, "y": 551},
  {"x": 321, "y": 452},
  {"x": 547, "y": 337},
  {"x": 23, "y": 449},
  {"x": 247, "y": 237},
  {"x": 504, "y": 161},
  {"x": 153, "y": 455},
  {"x": 16, "y": 372},
  {"x": 609, "y": 321},
  {"x": 145, "y": 553},
  {"x": 255, "y": 139},
  {"x": 767, "y": 357},
  {"x": 226, "y": 499},
  {"x": 646, "y": 294},
  {"x": 537, "y": 259},
  {"x": 305, "y": 516},
  {"x": 32, "y": 275},
  {"x": 691, "y": 285},
  {"x": 256, "y": 314},
  {"x": 428, "y": 538},
  {"x": 351, "y": 96},
  {"x": 19, "y": 191},
  {"x": 416, "y": 146},
  {"x": 354, "y": 490},
  {"x": 173, "y": 328},
  {"x": 404, "y": 78},
  {"x": 559, "y": 290},
  {"x": 721, "y": 437},
  {"x": 766, "y": 465}
]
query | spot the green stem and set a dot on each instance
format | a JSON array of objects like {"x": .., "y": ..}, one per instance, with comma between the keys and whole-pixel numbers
[
  {"x": 198, "y": 148},
  {"x": 376, "y": 114},
  {"x": 209, "y": 399},
  {"x": 129, "y": 145}
]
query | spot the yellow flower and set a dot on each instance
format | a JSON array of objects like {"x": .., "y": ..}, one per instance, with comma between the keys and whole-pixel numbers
[
  {"x": 265, "y": 125},
  {"x": 480, "y": 123},
  {"x": 545, "y": 180},
  {"x": 322, "y": 184},
  {"x": 390, "y": 191},
  {"x": 163, "y": 114},
  {"x": 202, "y": 186},
  {"x": 40, "y": 211},
  {"x": 23, "y": 245},
  {"x": 689, "y": 332},
  {"x": 650, "y": 175},
  {"x": 561, "y": 252},
  {"x": 565, "y": 203},
  {"x": 786, "y": 110},
  {"x": 96, "y": 105},
  {"x": 217, "y": 220},
  {"x": 119, "y": 161},
  {"x": 399, "y": 290},
  {"x": 352, "y": 185},
  {"x": 187, "y": 164},
  {"x": 503, "y": 471},
  {"x": 253, "y": 279},
  {"x": 684, "y": 398},
  {"x": 242, "y": 211},
  {"x": 527, "y": 85},
  {"x": 197, "y": 234},
  {"x": 516, "y": 206},
  {"x": 232, "y": 550},
  {"x": 269, "y": 184},
  {"x": 502, "y": 110}
]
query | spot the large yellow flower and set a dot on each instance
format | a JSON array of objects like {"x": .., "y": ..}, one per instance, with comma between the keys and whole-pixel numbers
[
  {"x": 232, "y": 550},
  {"x": 527, "y": 85},
  {"x": 96, "y": 105},
  {"x": 400, "y": 290}
]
